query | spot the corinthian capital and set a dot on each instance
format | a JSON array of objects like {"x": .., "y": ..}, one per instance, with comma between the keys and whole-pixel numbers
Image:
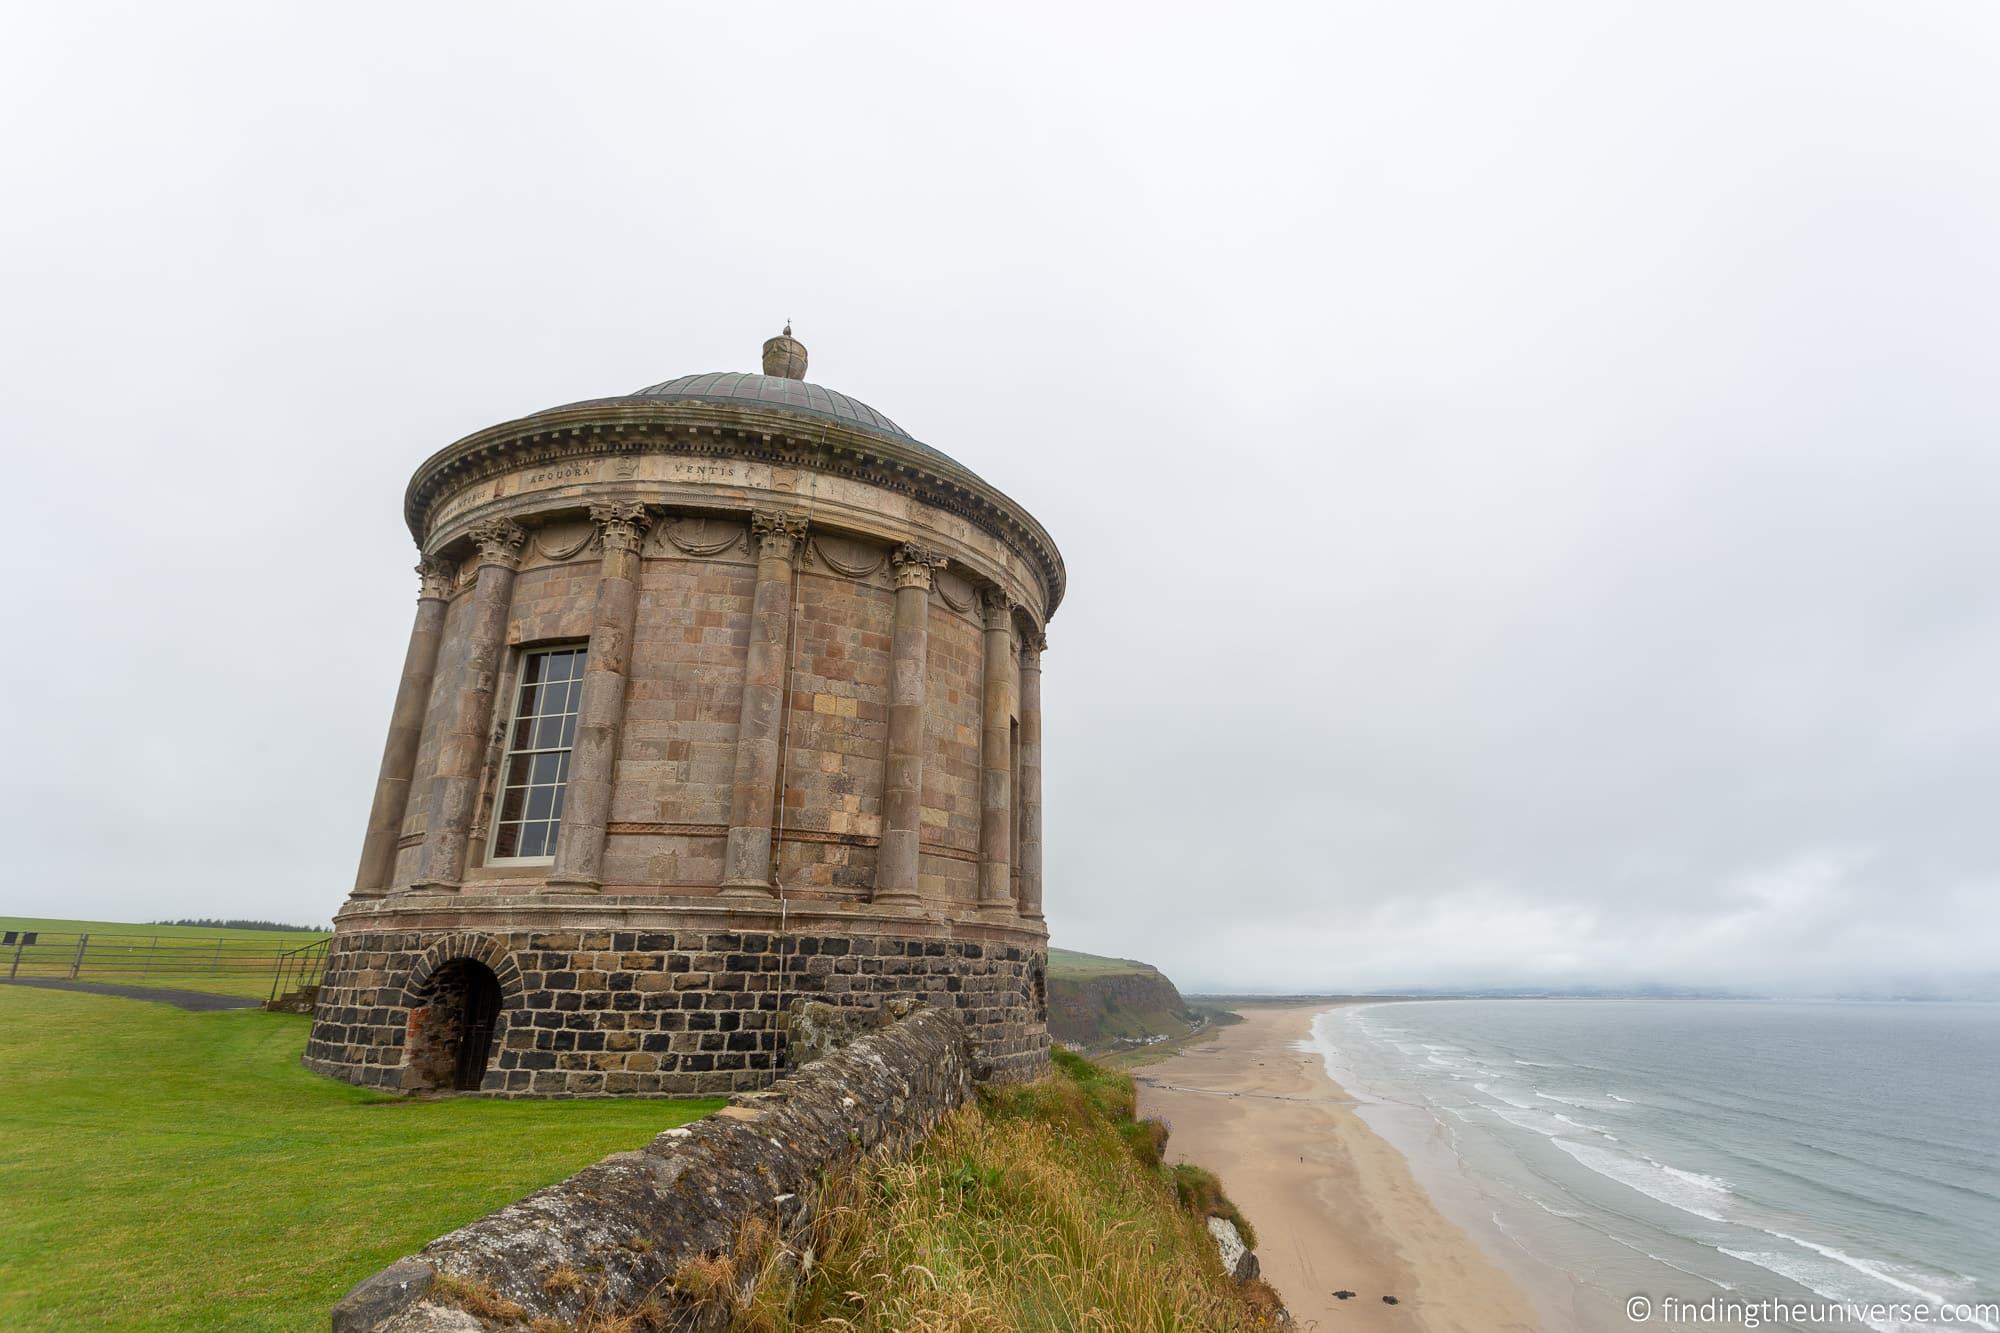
[
  {"x": 1033, "y": 644},
  {"x": 997, "y": 606},
  {"x": 622, "y": 525},
  {"x": 500, "y": 541},
  {"x": 914, "y": 565},
  {"x": 776, "y": 532},
  {"x": 435, "y": 577}
]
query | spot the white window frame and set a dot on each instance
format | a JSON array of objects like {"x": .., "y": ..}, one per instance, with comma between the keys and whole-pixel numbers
[{"x": 508, "y": 753}]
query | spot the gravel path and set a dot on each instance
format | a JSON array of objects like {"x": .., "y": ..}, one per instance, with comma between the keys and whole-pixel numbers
[{"x": 200, "y": 1002}]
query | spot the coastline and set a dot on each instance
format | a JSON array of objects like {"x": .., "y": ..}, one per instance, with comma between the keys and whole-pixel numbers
[{"x": 1335, "y": 1205}]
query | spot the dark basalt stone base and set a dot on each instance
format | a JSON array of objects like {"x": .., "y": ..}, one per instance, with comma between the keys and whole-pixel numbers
[{"x": 600, "y": 1011}]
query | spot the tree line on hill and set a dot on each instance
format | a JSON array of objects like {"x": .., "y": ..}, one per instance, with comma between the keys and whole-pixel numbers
[{"x": 234, "y": 923}]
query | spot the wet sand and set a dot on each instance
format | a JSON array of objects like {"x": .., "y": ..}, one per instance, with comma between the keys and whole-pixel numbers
[{"x": 1335, "y": 1207}]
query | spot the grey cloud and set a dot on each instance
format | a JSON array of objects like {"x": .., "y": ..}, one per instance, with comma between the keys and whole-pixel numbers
[{"x": 1527, "y": 476}]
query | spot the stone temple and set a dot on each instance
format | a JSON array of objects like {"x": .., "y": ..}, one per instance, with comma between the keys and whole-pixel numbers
[{"x": 722, "y": 696}]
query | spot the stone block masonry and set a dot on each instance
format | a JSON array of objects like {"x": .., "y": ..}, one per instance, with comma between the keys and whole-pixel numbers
[
  {"x": 638, "y": 1012},
  {"x": 613, "y": 1235}
]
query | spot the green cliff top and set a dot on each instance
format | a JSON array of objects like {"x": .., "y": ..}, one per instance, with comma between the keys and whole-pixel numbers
[{"x": 1069, "y": 965}]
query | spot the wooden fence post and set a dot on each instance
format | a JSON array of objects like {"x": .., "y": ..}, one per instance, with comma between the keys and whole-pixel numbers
[
  {"x": 20, "y": 943},
  {"x": 76, "y": 964}
]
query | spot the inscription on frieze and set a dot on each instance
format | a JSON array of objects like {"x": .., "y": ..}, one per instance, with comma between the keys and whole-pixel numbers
[
  {"x": 461, "y": 502},
  {"x": 709, "y": 470},
  {"x": 561, "y": 472}
]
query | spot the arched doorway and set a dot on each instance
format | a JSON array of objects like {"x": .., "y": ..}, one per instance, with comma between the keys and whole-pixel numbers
[{"x": 450, "y": 1036}]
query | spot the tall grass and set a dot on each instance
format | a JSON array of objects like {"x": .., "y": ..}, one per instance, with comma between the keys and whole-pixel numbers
[{"x": 1038, "y": 1208}]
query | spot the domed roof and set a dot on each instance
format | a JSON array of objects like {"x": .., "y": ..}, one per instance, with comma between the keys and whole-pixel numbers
[
  {"x": 792, "y": 395},
  {"x": 906, "y": 462}
]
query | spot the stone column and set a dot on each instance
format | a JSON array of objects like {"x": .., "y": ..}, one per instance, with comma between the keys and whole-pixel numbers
[
  {"x": 600, "y": 718},
  {"x": 1030, "y": 795},
  {"x": 996, "y": 893},
  {"x": 896, "y": 861},
  {"x": 406, "y": 730},
  {"x": 747, "y": 859},
  {"x": 468, "y": 712}
]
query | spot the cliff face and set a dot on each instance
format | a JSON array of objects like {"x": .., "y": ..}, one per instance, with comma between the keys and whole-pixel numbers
[{"x": 1097, "y": 1003}]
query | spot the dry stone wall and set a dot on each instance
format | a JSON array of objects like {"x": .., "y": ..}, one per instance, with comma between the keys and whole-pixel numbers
[{"x": 616, "y": 1232}]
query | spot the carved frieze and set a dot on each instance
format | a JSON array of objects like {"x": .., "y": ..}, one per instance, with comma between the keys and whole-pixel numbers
[
  {"x": 956, "y": 592},
  {"x": 708, "y": 447},
  {"x": 844, "y": 555},
  {"x": 701, "y": 537},
  {"x": 561, "y": 541}
]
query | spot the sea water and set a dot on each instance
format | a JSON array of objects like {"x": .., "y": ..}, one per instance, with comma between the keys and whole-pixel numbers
[{"x": 1702, "y": 1156}]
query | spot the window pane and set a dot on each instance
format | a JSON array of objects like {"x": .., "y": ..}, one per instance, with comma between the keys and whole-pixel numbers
[{"x": 539, "y": 736}]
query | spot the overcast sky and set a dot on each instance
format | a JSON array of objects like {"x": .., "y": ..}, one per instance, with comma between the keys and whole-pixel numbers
[{"x": 1528, "y": 473}]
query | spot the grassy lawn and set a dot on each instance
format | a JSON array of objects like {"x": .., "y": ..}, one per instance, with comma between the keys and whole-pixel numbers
[
  {"x": 203, "y": 958},
  {"x": 167, "y": 1170},
  {"x": 1069, "y": 964}
]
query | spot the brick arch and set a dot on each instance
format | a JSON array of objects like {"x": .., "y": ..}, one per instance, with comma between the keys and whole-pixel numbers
[{"x": 465, "y": 944}]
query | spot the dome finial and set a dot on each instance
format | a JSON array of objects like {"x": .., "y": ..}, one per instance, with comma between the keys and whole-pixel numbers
[{"x": 785, "y": 356}]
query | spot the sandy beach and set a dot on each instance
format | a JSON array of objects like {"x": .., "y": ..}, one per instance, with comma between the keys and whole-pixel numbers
[{"x": 1335, "y": 1206}]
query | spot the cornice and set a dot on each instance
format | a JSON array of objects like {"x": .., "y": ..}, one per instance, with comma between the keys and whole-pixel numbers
[{"x": 626, "y": 427}]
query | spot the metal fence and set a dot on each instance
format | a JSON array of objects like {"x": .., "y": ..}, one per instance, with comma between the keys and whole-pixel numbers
[
  {"x": 227, "y": 964},
  {"x": 296, "y": 969}
]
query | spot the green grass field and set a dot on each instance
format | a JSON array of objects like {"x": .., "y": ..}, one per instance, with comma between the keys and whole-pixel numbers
[
  {"x": 284, "y": 938},
  {"x": 1069, "y": 964},
  {"x": 167, "y": 1170},
  {"x": 203, "y": 958}
]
